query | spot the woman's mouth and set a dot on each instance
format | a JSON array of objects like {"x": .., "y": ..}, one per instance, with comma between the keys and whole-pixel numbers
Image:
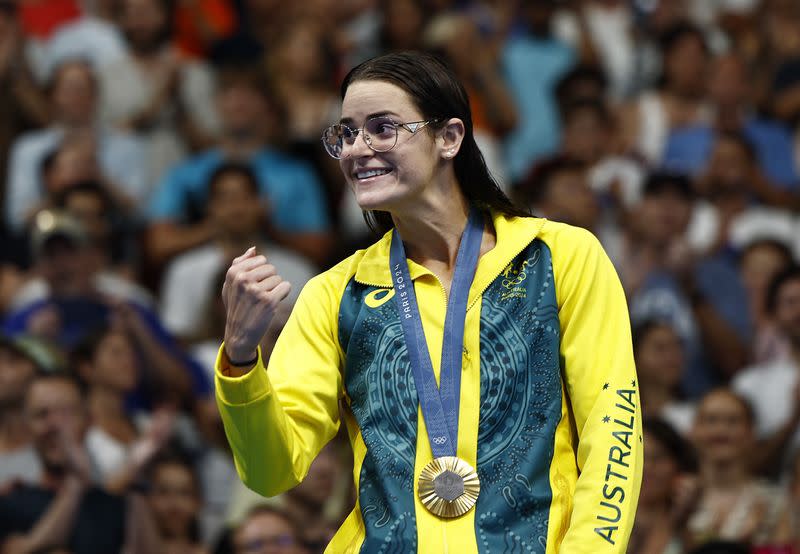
[{"x": 365, "y": 174}]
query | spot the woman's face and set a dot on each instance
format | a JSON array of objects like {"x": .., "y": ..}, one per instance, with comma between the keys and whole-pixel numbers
[
  {"x": 114, "y": 363},
  {"x": 686, "y": 65},
  {"x": 659, "y": 357},
  {"x": 722, "y": 433},
  {"x": 173, "y": 500},
  {"x": 659, "y": 473},
  {"x": 405, "y": 172},
  {"x": 758, "y": 266},
  {"x": 301, "y": 53}
]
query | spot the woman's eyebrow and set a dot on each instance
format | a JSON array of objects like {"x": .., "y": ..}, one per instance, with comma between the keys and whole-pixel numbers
[{"x": 349, "y": 120}]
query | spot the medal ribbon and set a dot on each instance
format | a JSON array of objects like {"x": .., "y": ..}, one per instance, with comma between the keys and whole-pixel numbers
[{"x": 440, "y": 404}]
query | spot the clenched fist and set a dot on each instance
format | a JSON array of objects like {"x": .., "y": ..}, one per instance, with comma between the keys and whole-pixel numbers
[{"x": 251, "y": 294}]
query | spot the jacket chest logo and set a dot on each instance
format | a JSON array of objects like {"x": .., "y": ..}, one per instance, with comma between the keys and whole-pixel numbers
[{"x": 515, "y": 274}]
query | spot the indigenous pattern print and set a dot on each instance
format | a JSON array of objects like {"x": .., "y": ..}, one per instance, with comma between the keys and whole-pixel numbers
[
  {"x": 520, "y": 405},
  {"x": 379, "y": 379}
]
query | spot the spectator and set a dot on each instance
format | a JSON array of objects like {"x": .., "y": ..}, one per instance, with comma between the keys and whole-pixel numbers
[
  {"x": 533, "y": 62},
  {"x": 174, "y": 499},
  {"x": 729, "y": 186},
  {"x": 581, "y": 83},
  {"x": 108, "y": 230},
  {"x": 782, "y": 52},
  {"x": 248, "y": 111},
  {"x": 660, "y": 365},
  {"x": 773, "y": 388},
  {"x": 403, "y": 23},
  {"x": 64, "y": 509},
  {"x": 233, "y": 207},
  {"x": 22, "y": 105},
  {"x": 680, "y": 98},
  {"x": 666, "y": 494},
  {"x": 118, "y": 441},
  {"x": 475, "y": 58},
  {"x": 689, "y": 149},
  {"x": 167, "y": 101},
  {"x": 759, "y": 263},
  {"x": 558, "y": 190},
  {"x": 268, "y": 530},
  {"x": 603, "y": 30},
  {"x": 109, "y": 249},
  {"x": 20, "y": 360},
  {"x": 74, "y": 93},
  {"x": 732, "y": 504},
  {"x": 302, "y": 65},
  {"x": 702, "y": 299},
  {"x": 591, "y": 135}
]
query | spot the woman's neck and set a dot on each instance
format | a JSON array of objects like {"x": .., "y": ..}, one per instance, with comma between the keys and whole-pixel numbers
[
  {"x": 724, "y": 476},
  {"x": 433, "y": 235},
  {"x": 106, "y": 404}
]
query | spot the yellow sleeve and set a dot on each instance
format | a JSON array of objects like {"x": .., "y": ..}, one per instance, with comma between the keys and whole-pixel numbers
[
  {"x": 603, "y": 392},
  {"x": 278, "y": 419}
]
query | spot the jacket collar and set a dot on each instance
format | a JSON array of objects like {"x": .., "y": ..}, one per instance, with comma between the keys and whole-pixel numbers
[{"x": 513, "y": 235}]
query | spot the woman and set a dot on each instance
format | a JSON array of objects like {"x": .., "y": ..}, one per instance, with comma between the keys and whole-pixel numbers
[
  {"x": 659, "y": 354},
  {"x": 733, "y": 504},
  {"x": 678, "y": 101},
  {"x": 558, "y": 458},
  {"x": 174, "y": 499}
]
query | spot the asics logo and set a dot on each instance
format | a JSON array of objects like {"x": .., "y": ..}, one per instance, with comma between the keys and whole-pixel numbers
[{"x": 378, "y": 297}]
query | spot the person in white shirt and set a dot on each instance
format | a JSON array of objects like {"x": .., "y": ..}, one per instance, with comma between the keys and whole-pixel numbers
[
  {"x": 774, "y": 388},
  {"x": 237, "y": 214},
  {"x": 73, "y": 93}
]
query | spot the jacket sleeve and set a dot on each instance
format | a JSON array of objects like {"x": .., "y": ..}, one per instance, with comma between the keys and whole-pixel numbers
[
  {"x": 603, "y": 394},
  {"x": 278, "y": 419}
]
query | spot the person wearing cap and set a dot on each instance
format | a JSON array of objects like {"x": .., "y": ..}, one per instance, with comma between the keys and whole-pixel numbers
[
  {"x": 20, "y": 359},
  {"x": 76, "y": 305}
]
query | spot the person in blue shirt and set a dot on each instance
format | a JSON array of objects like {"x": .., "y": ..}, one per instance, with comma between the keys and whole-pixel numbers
[
  {"x": 534, "y": 62},
  {"x": 251, "y": 117},
  {"x": 688, "y": 149}
]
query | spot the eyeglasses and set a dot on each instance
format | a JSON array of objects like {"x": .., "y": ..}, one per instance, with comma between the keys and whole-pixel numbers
[{"x": 380, "y": 134}]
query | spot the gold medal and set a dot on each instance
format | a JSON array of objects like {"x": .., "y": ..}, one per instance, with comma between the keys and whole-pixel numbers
[{"x": 448, "y": 486}]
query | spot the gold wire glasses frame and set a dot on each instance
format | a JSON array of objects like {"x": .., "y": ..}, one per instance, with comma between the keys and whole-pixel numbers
[{"x": 380, "y": 134}]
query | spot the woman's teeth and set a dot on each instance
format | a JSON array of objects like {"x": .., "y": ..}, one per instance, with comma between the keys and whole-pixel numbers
[{"x": 371, "y": 173}]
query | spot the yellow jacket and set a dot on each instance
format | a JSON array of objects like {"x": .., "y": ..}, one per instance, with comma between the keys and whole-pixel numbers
[{"x": 549, "y": 412}]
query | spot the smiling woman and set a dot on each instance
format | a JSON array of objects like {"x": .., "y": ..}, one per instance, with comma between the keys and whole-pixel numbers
[{"x": 483, "y": 357}]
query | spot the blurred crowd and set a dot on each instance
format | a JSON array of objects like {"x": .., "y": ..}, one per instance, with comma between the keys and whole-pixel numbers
[{"x": 145, "y": 143}]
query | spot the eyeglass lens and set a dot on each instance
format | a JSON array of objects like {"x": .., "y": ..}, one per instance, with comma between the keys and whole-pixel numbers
[{"x": 380, "y": 134}]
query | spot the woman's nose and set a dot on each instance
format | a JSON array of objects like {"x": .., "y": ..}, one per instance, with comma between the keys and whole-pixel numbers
[{"x": 358, "y": 149}]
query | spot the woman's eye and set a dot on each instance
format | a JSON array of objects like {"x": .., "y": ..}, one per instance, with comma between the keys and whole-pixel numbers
[{"x": 380, "y": 128}]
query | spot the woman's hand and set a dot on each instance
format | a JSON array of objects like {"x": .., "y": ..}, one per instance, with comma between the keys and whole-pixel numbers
[{"x": 251, "y": 294}]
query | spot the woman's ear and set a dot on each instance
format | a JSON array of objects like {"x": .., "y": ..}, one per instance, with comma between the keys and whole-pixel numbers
[{"x": 452, "y": 134}]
